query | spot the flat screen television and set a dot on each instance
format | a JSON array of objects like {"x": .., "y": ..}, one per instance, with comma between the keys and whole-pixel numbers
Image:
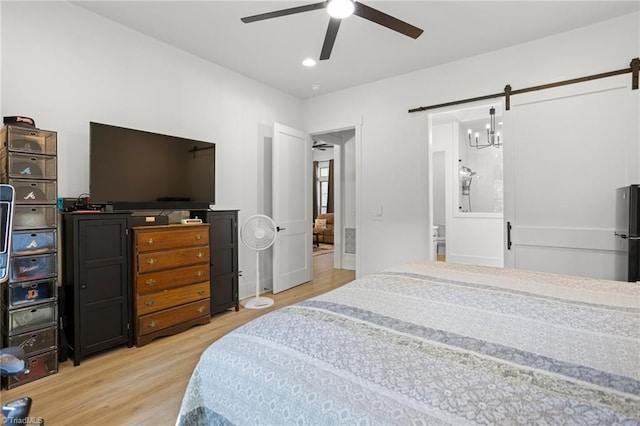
[{"x": 138, "y": 170}]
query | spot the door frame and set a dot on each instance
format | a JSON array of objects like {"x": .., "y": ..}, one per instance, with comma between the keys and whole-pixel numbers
[
  {"x": 451, "y": 185},
  {"x": 333, "y": 127}
]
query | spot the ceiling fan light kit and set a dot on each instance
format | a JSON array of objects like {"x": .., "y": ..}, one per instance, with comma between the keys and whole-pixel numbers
[{"x": 339, "y": 9}]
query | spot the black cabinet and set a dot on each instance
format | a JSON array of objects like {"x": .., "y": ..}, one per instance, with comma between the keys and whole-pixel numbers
[
  {"x": 96, "y": 281},
  {"x": 223, "y": 241}
]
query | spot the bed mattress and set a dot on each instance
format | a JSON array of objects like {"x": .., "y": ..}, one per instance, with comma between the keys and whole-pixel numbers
[{"x": 432, "y": 343}]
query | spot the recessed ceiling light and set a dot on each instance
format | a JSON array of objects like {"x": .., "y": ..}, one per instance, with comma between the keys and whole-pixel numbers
[{"x": 309, "y": 62}]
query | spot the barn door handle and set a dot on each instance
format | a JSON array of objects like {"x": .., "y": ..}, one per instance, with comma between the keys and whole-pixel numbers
[{"x": 508, "y": 235}]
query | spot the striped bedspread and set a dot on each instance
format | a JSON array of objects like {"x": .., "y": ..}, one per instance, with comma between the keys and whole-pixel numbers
[{"x": 432, "y": 343}]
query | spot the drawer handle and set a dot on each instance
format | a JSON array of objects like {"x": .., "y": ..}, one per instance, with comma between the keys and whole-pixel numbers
[
  {"x": 152, "y": 261},
  {"x": 150, "y": 282},
  {"x": 198, "y": 237},
  {"x": 199, "y": 274},
  {"x": 201, "y": 309},
  {"x": 200, "y": 254},
  {"x": 201, "y": 292},
  {"x": 149, "y": 303},
  {"x": 150, "y": 241},
  {"x": 152, "y": 324}
]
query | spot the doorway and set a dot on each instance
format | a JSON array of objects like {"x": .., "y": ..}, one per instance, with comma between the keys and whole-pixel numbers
[
  {"x": 466, "y": 175},
  {"x": 348, "y": 152},
  {"x": 333, "y": 155}
]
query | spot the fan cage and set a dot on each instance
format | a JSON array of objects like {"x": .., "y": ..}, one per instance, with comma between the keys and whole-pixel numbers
[{"x": 258, "y": 232}]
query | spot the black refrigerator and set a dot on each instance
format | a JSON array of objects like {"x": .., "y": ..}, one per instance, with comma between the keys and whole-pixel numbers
[{"x": 627, "y": 233}]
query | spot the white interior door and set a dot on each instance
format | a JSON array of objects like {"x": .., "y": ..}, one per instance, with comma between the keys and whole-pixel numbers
[
  {"x": 566, "y": 151},
  {"x": 291, "y": 173}
]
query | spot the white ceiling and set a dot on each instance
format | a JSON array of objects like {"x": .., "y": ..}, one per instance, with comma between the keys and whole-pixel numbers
[{"x": 271, "y": 51}]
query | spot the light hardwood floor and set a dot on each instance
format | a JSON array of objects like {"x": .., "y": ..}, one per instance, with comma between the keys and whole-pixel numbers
[{"x": 144, "y": 386}]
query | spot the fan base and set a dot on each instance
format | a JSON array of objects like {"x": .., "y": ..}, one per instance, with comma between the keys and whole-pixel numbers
[{"x": 257, "y": 303}]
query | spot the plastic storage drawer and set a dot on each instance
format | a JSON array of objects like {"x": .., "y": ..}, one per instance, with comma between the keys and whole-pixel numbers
[
  {"x": 29, "y": 217},
  {"x": 39, "y": 366},
  {"x": 21, "y": 294},
  {"x": 33, "y": 242},
  {"x": 24, "y": 166},
  {"x": 34, "y": 191},
  {"x": 25, "y": 268},
  {"x": 30, "y": 140},
  {"x": 31, "y": 318},
  {"x": 37, "y": 341}
]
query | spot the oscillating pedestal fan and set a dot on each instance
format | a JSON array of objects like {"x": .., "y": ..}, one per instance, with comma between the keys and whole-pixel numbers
[{"x": 258, "y": 233}]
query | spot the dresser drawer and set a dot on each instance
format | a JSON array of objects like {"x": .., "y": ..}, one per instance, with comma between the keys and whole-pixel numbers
[
  {"x": 177, "y": 296},
  {"x": 33, "y": 242},
  {"x": 160, "y": 260},
  {"x": 157, "y": 321},
  {"x": 175, "y": 237},
  {"x": 162, "y": 280}
]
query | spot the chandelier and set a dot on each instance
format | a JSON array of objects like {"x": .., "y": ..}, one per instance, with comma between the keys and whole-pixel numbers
[{"x": 493, "y": 137}]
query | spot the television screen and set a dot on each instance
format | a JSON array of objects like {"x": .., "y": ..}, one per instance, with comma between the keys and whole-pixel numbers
[{"x": 139, "y": 170}]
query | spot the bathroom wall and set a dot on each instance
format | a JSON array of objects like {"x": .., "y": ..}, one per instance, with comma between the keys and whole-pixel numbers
[
  {"x": 486, "y": 191},
  {"x": 473, "y": 238}
]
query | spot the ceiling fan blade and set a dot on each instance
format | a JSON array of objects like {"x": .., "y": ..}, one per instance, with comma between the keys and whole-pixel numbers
[
  {"x": 385, "y": 20},
  {"x": 330, "y": 38},
  {"x": 284, "y": 12}
]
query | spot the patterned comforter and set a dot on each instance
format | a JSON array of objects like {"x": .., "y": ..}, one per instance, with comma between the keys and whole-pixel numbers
[{"x": 432, "y": 343}]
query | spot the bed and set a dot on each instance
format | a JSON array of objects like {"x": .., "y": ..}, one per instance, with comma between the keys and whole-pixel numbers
[{"x": 431, "y": 343}]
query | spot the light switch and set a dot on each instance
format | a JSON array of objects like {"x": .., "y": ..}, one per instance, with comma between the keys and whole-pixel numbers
[{"x": 378, "y": 213}]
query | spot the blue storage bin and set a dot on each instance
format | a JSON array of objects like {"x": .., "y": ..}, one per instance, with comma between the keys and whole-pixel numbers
[
  {"x": 33, "y": 242},
  {"x": 21, "y": 294}
]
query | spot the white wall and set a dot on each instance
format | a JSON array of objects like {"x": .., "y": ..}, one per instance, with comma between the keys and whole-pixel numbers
[
  {"x": 68, "y": 67},
  {"x": 486, "y": 194},
  {"x": 65, "y": 66},
  {"x": 347, "y": 256},
  {"x": 394, "y": 153},
  {"x": 323, "y": 156},
  {"x": 439, "y": 179},
  {"x": 349, "y": 178}
]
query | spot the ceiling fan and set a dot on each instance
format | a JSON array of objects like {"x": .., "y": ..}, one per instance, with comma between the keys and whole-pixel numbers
[
  {"x": 339, "y": 9},
  {"x": 322, "y": 146}
]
